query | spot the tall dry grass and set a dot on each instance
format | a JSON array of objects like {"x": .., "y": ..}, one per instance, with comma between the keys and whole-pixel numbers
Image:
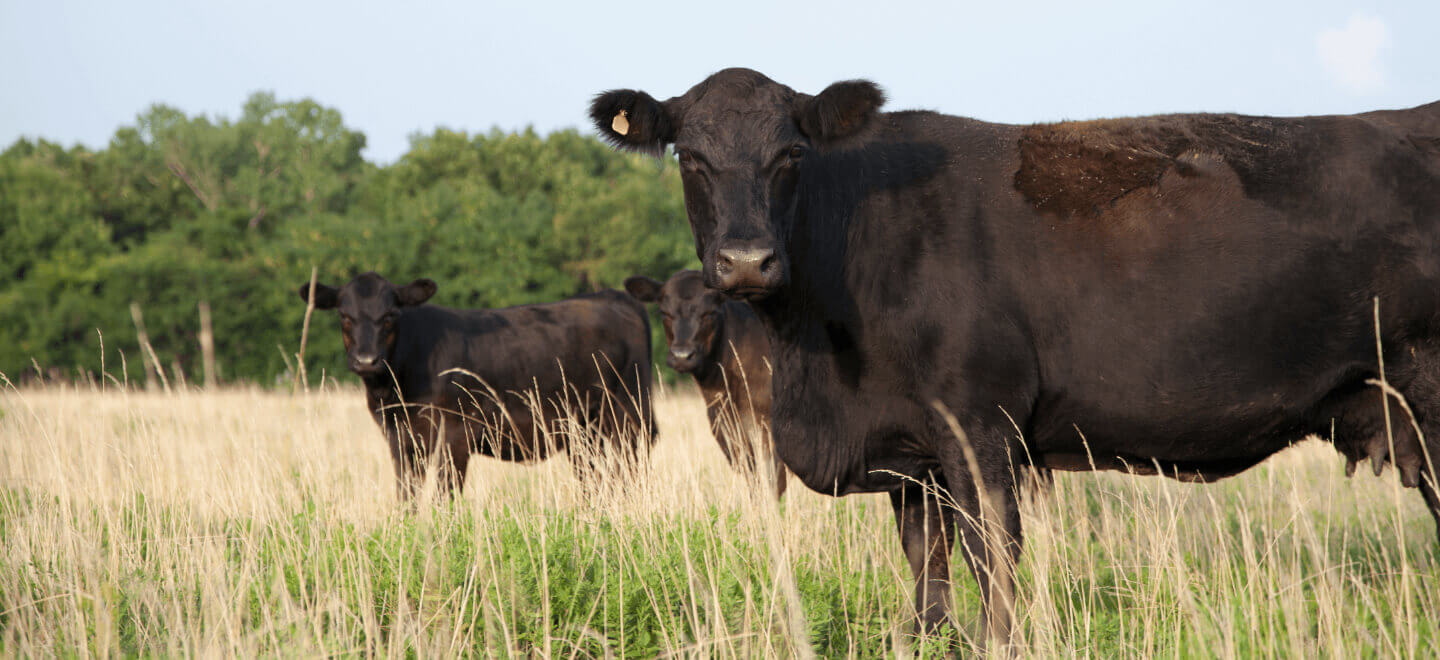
[{"x": 248, "y": 522}]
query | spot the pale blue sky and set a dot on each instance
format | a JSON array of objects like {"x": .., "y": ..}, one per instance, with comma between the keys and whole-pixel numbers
[{"x": 75, "y": 71}]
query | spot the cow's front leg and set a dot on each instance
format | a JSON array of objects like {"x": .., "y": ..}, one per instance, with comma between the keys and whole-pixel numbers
[
  {"x": 927, "y": 533},
  {"x": 983, "y": 486}
]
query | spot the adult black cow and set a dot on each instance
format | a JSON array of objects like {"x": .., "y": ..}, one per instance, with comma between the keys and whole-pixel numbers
[
  {"x": 1185, "y": 293},
  {"x": 723, "y": 346},
  {"x": 515, "y": 383}
]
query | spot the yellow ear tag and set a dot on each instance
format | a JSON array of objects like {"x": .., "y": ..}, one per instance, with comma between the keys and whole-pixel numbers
[{"x": 621, "y": 124}]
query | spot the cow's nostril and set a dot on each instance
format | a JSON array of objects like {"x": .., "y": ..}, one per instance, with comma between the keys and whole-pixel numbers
[
  {"x": 768, "y": 264},
  {"x": 723, "y": 262}
]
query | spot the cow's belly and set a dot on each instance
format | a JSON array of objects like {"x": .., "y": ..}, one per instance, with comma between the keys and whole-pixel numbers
[
  {"x": 1199, "y": 373},
  {"x": 1191, "y": 421}
]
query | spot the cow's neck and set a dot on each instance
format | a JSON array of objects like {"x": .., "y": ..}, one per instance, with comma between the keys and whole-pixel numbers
[
  {"x": 817, "y": 333},
  {"x": 830, "y": 211}
]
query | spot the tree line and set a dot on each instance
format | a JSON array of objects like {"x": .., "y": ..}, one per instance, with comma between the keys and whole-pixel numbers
[{"x": 181, "y": 210}]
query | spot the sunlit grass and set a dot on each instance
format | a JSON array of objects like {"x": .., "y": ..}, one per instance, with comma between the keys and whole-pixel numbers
[{"x": 249, "y": 522}]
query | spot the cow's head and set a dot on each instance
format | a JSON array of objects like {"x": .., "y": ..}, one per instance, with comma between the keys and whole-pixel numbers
[
  {"x": 369, "y": 307},
  {"x": 742, "y": 141},
  {"x": 691, "y": 315}
]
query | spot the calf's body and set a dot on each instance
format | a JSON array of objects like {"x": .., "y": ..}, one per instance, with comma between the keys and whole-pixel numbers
[
  {"x": 723, "y": 346},
  {"x": 516, "y": 384}
]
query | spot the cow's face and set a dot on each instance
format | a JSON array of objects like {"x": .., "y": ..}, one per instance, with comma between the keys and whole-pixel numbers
[
  {"x": 742, "y": 141},
  {"x": 691, "y": 315},
  {"x": 369, "y": 307}
]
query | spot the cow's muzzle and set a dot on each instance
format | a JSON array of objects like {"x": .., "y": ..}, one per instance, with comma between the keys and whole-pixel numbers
[
  {"x": 748, "y": 272},
  {"x": 683, "y": 360},
  {"x": 366, "y": 364}
]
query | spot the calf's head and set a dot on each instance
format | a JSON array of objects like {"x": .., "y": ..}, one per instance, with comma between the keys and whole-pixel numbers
[
  {"x": 743, "y": 142},
  {"x": 690, "y": 313},
  {"x": 369, "y": 307}
]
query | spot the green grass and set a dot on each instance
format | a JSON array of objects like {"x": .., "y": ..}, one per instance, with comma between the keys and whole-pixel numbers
[
  {"x": 133, "y": 526},
  {"x": 570, "y": 584}
]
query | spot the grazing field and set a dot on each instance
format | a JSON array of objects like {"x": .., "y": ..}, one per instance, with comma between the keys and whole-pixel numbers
[{"x": 250, "y": 522}]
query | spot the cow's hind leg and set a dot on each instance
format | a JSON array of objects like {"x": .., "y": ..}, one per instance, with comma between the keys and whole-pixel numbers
[
  {"x": 1419, "y": 457},
  {"x": 1431, "y": 491}
]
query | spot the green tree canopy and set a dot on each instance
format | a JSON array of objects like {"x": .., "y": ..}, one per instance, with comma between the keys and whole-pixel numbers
[{"x": 179, "y": 209}]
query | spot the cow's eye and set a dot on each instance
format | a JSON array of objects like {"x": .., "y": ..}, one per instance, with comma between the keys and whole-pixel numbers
[
  {"x": 797, "y": 152},
  {"x": 686, "y": 159}
]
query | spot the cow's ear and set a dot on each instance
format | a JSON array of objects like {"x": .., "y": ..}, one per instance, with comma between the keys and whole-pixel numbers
[
  {"x": 643, "y": 288},
  {"x": 325, "y": 297},
  {"x": 840, "y": 111},
  {"x": 416, "y": 292},
  {"x": 633, "y": 120}
]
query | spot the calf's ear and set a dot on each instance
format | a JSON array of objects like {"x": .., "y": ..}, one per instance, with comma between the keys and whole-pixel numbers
[
  {"x": 840, "y": 111},
  {"x": 633, "y": 120},
  {"x": 325, "y": 297},
  {"x": 415, "y": 292},
  {"x": 643, "y": 288}
]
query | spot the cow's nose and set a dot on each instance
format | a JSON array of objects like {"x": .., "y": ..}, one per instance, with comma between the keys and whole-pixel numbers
[
  {"x": 365, "y": 360},
  {"x": 746, "y": 270},
  {"x": 683, "y": 353}
]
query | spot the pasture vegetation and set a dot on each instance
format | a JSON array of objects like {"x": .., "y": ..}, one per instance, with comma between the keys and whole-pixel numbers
[{"x": 246, "y": 521}]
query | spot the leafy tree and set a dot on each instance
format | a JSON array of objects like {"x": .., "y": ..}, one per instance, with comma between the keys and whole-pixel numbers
[{"x": 178, "y": 209}]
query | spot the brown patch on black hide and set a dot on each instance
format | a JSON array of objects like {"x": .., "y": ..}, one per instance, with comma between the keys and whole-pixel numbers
[{"x": 1080, "y": 168}]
